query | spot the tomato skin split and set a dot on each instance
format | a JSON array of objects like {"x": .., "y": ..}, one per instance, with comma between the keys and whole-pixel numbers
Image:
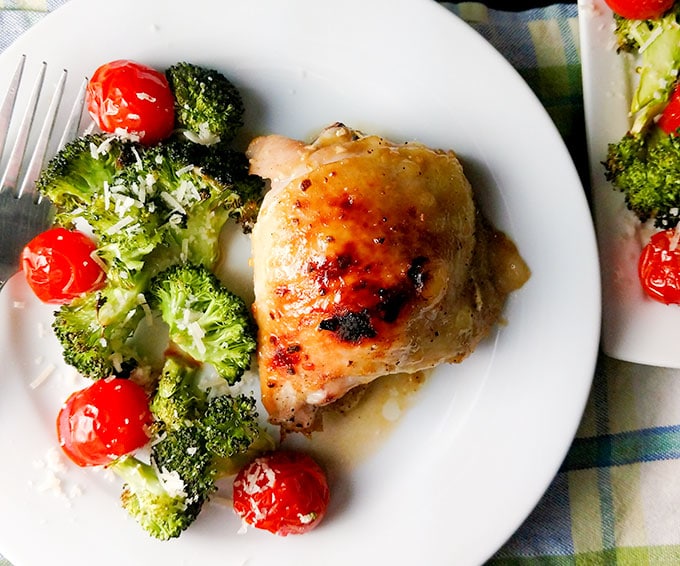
[
  {"x": 108, "y": 419},
  {"x": 659, "y": 267},
  {"x": 640, "y": 9},
  {"x": 58, "y": 265},
  {"x": 124, "y": 96},
  {"x": 283, "y": 492}
]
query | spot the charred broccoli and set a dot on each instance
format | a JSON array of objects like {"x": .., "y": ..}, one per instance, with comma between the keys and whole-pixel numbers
[
  {"x": 185, "y": 395},
  {"x": 226, "y": 168},
  {"x": 155, "y": 204},
  {"x": 96, "y": 179},
  {"x": 646, "y": 169},
  {"x": 229, "y": 425},
  {"x": 198, "y": 189},
  {"x": 208, "y": 107},
  {"x": 95, "y": 331},
  {"x": 197, "y": 449}
]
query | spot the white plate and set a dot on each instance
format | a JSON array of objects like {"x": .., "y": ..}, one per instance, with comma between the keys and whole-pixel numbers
[
  {"x": 467, "y": 463},
  {"x": 634, "y": 327}
]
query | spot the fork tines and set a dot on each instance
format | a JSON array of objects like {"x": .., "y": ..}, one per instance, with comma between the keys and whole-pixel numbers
[{"x": 11, "y": 172}]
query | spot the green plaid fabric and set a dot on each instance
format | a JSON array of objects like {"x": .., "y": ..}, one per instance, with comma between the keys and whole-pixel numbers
[{"x": 615, "y": 499}]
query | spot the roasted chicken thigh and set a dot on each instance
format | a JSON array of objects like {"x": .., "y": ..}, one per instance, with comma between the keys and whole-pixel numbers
[{"x": 370, "y": 258}]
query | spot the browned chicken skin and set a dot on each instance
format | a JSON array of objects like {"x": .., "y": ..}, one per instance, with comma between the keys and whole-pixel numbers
[{"x": 370, "y": 258}]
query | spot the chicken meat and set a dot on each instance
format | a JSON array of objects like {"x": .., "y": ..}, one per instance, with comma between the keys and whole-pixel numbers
[{"x": 370, "y": 258}]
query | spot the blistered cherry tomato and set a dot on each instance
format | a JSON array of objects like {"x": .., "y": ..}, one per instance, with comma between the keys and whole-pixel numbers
[
  {"x": 126, "y": 96},
  {"x": 108, "y": 419},
  {"x": 669, "y": 120},
  {"x": 659, "y": 267},
  {"x": 283, "y": 492},
  {"x": 640, "y": 9},
  {"x": 58, "y": 265}
]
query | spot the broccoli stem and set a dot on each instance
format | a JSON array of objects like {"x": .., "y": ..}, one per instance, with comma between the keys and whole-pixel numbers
[
  {"x": 138, "y": 476},
  {"x": 147, "y": 499}
]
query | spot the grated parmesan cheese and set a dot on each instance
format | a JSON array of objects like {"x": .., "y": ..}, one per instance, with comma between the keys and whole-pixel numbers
[
  {"x": 148, "y": 315},
  {"x": 118, "y": 226},
  {"x": 172, "y": 202},
  {"x": 172, "y": 482},
  {"x": 651, "y": 39},
  {"x": 42, "y": 376},
  {"x": 53, "y": 469},
  {"x": 307, "y": 518},
  {"x": 675, "y": 238},
  {"x": 117, "y": 361},
  {"x": 197, "y": 334},
  {"x": 146, "y": 96},
  {"x": 107, "y": 195},
  {"x": 183, "y": 170}
]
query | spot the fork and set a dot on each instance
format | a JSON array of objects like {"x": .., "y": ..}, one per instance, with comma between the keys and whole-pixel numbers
[{"x": 23, "y": 213}]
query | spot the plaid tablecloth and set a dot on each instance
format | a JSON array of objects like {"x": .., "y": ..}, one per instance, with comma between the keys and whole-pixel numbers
[{"x": 616, "y": 499}]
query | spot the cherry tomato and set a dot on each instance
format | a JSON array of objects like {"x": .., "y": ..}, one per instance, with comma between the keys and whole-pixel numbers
[
  {"x": 659, "y": 267},
  {"x": 126, "y": 96},
  {"x": 58, "y": 265},
  {"x": 669, "y": 120},
  {"x": 108, "y": 419},
  {"x": 282, "y": 492},
  {"x": 640, "y": 9}
]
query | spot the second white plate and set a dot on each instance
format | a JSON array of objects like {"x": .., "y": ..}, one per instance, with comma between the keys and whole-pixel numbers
[{"x": 634, "y": 327}]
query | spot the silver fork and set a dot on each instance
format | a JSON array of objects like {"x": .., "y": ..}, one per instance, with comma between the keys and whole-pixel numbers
[{"x": 23, "y": 213}]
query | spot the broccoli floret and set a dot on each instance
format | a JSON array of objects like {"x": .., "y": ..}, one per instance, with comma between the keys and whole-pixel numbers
[
  {"x": 197, "y": 449},
  {"x": 229, "y": 423},
  {"x": 167, "y": 495},
  {"x": 76, "y": 175},
  {"x": 197, "y": 189},
  {"x": 207, "y": 105},
  {"x": 151, "y": 205},
  {"x": 182, "y": 451},
  {"x": 178, "y": 398},
  {"x": 156, "y": 504},
  {"x": 205, "y": 319},
  {"x": 80, "y": 335},
  {"x": 229, "y": 169},
  {"x": 94, "y": 331},
  {"x": 198, "y": 438},
  {"x": 657, "y": 43},
  {"x": 628, "y": 36},
  {"x": 97, "y": 179},
  {"x": 230, "y": 426},
  {"x": 646, "y": 169},
  {"x": 150, "y": 208}
]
